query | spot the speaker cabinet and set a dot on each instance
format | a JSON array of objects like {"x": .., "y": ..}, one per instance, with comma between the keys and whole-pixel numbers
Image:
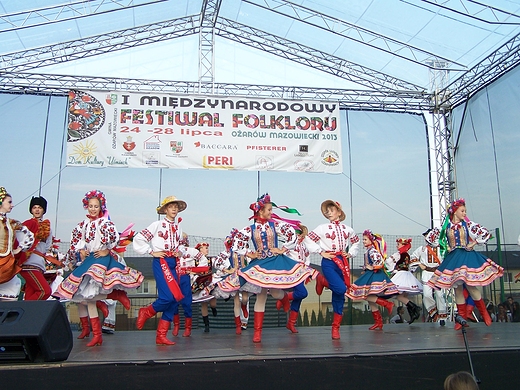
[{"x": 34, "y": 331}]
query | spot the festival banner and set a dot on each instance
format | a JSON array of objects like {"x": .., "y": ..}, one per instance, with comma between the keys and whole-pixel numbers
[{"x": 138, "y": 130}]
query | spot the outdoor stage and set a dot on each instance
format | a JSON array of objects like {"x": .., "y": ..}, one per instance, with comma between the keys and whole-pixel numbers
[{"x": 402, "y": 356}]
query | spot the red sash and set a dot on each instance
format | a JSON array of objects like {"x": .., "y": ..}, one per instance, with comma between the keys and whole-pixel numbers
[
  {"x": 170, "y": 280},
  {"x": 343, "y": 265},
  {"x": 50, "y": 259},
  {"x": 192, "y": 270}
]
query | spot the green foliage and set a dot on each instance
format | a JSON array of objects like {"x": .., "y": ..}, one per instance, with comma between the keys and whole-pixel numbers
[
  {"x": 305, "y": 318},
  {"x": 314, "y": 320}
]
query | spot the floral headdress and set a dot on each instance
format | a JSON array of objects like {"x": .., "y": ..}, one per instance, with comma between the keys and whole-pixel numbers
[
  {"x": 98, "y": 195},
  {"x": 453, "y": 206},
  {"x": 3, "y": 194},
  {"x": 260, "y": 202},
  {"x": 201, "y": 244},
  {"x": 378, "y": 241},
  {"x": 406, "y": 242},
  {"x": 265, "y": 199}
]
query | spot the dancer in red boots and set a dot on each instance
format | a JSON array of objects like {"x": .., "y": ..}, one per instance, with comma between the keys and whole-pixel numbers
[
  {"x": 33, "y": 262},
  {"x": 398, "y": 265},
  {"x": 10, "y": 246},
  {"x": 163, "y": 241},
  {"x": 462, "y": 265},
  {"x": 97, "y": 274},
  {"x": 269, "y": 268},
  {"x": 229, "y": 285},
  {"x": 336, "y": 243},
  {"x": 374, "y": 285},
  {"x": 292, "y": 300}
]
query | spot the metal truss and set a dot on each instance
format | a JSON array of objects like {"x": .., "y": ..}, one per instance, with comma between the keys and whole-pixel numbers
[
  {"x": 311, "y": 57},
  {"x": 476, "y": 10},
  {"x": 484, "y": 73},
  {"x": 49, "y": 84},
  {"x": 99, "y": 44},
  {"x": 352, "y": 32},
  {"x": 209, "y": 14},
  {"x": 63, "y": 12}
]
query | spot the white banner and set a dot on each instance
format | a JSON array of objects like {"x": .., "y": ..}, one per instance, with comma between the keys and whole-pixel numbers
[{"x": 120, "y": 129}]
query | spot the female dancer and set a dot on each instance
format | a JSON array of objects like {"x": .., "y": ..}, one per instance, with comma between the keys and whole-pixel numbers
[
  {"x": 399, "y": 266},
  {"x": 332, "y": 240},
  {"x": 292, "y": 301},
  {"x": 374, "y": 285},
  {"x": 270, "y": 268},
  {"x": 98, "y": 275},
  {"x": 204, "y": 285},
  {"x": 229, "y": 285},
  {"x": 163, "y": 241},
  {"x": 33, "y": 264},
  {"x": 462, "y": 266},
  {"x": 10, "y": 231}
]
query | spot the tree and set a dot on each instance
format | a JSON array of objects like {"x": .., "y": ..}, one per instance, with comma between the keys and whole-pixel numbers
[{"x": 305, "y": 318}]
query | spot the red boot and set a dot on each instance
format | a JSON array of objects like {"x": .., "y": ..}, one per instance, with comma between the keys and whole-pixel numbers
[
  {"x": 187, "y": 327},
  {"x": 144, "y": 314},
  {"x": 238, "y": 325},
  {"x": 378, "y": 321},
  {"x": 336, "y": 323},
  {"x": 103, "y": 307},
  {"x": 176, "y": 325},
  {"x": 245, "y": 313},
  {"x": 284, "y": 302},
  {"x": 462, "y": 311},
  {"x": 321, "y": 283},
  {"x": 85, "y": 328},
  {"x": 96, "y": 329},
  {"x": 259, "y": 321},
  {"x": 291, "y": 323},
  {"x": 162, "y": 331},
  {"x": 386, "y": 304},
  {"x": 120, "y": 295},
  {"x": 481, "y": 306},
  {"x": 469, "y": 312}
]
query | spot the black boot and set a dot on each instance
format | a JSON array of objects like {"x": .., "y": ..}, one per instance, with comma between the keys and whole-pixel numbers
[
  {"x": 214, "y": 311},
  {"x": 206, "y": 323},
  {"x": 413, "y": 310}
]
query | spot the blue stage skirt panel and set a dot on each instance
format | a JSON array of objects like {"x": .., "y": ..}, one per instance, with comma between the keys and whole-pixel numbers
[
  {"x": 278, "y": 271},
  {"x": 98, "y": 276},
  {"x": 462, "y": 266},
  {"x": 372, "y": 283}
]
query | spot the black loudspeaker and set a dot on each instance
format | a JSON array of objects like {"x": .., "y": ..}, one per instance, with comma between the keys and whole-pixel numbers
[{"x": 34, "y": 331}]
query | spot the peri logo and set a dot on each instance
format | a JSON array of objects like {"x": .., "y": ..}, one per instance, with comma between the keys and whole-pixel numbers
[
  {"x": 329, "y": 157},
  {"x": 176, "y": 146}
]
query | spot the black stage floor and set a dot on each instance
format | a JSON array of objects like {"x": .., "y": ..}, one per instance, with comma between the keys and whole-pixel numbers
[{"x": 402, "y": 356}]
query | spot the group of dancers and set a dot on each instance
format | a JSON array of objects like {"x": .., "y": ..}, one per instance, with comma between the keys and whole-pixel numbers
[{"x": 271, "y": 255}]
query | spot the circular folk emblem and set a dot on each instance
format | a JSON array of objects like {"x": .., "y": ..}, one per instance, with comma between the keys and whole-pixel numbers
[{"x": 86, "y": 116}]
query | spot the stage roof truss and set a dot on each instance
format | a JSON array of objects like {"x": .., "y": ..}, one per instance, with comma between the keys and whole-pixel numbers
[
  {"x": 351, "y": 31},
  {"x": 63, "y": 12}
]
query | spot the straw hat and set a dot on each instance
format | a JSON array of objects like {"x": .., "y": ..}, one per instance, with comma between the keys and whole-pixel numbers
[
  {"x": 171, "y": 199},
  {"x": 329, "y": 203}
]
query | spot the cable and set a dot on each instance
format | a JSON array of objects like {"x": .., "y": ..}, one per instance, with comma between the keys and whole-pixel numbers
[{"x": 380, "y": 201}]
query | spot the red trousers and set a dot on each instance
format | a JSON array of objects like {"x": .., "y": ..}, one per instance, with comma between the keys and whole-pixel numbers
[{"x": 36, "y": 286}]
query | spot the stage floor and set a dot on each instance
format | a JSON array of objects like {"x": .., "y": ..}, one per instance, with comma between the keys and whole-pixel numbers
[
  {"x": 402, "y": 356},
  {"x": 310, "y": 342}
]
